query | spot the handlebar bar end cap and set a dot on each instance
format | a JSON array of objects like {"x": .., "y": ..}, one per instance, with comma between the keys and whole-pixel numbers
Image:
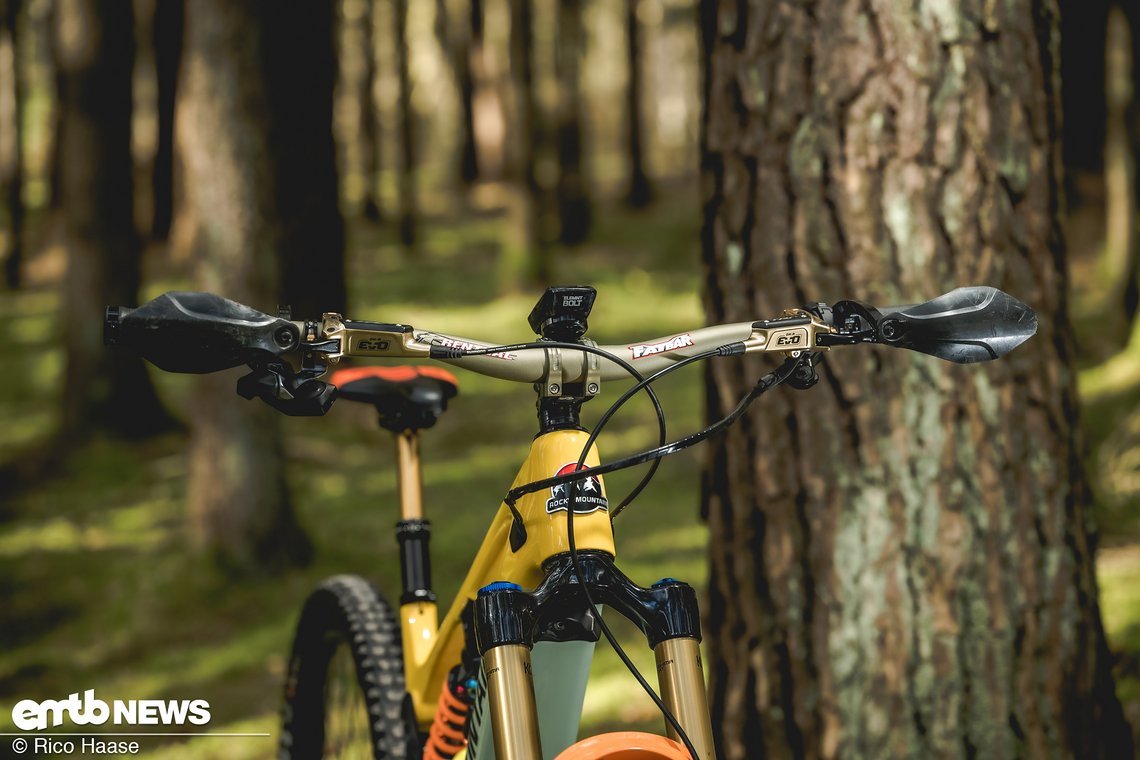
[{"x": 111, "y": 324}]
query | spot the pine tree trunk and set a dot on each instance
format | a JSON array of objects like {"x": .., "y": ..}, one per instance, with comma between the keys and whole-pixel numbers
[
  {"x": 168, "y": 26},
  {"x": 464, "y": 51},
  {"x": 1131, "y": 13},
  {"x": 300, "y": 76},
  {"x": 639, "y": 193},
  {"x": 93, "y": 49},
  {"x": 369, "y": 123},
  {"x": 243, "y": 208},
  {"x": 407, "y": 177},
  {"x": 523, "y": 259},
  {"x": 901, "y": 558},
  {"x": 1121, "y": 244},
  {"x": 571, "y": 191},
  {"x": 1083, "y": 25},
  {"x": 12, "y": 165},
  {"x": 488, "y": 119},
  {"x": 455, "y": 40}
]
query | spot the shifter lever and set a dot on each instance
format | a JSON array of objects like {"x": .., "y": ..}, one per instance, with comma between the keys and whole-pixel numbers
[{"x": 298, "y": 395}]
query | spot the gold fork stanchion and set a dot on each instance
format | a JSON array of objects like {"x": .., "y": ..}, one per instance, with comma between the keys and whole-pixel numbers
[
  {"x": 681, "y": 679},
  {"x": 504, "y": 633},
  {"x": 514, "y": 713}
]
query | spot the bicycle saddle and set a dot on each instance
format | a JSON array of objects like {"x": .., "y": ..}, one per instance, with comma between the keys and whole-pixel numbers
[{"x": 407, "y": 398}]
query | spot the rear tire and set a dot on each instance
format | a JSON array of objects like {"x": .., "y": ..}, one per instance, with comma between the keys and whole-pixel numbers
[{"x": 344, "y": 692}]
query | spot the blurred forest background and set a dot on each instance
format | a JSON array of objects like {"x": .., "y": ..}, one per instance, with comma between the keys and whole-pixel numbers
[{"x": 434, "y": 162}]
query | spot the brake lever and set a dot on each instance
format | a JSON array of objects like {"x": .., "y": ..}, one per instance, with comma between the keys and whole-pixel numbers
[
  {"x": 298, "y": 394},
  {"x": 854, "y": 322}
]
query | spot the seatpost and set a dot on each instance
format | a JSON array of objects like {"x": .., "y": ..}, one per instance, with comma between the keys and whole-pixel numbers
[
  {"x": 419, "y": 621},
  {"x": 408, "y": 475}
]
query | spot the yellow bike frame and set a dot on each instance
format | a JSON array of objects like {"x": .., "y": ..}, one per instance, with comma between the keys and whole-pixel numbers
[{"x": 430, "y": 651}]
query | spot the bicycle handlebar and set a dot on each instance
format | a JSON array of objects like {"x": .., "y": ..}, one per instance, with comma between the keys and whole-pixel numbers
[
  {"x": 201, "y": 332},
  {"x": 533, "y": 366}
]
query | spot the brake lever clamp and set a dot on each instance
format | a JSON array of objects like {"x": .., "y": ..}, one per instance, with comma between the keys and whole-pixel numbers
[
  {"x": 853, "y": 322},
  {"x": 805, "y": 376},
  {"x": 298, "y": 394}
]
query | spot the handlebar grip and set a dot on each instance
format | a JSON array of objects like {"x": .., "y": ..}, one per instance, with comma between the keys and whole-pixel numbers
[
  {"x": 885, "y": 310},
  {"x": 966, "y": 325},
  {"x": 198, "y": 333}
]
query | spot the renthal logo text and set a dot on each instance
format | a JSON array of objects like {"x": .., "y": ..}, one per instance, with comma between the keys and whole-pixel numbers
[
  {"x": 439, "y": 340},
  {"x": 649, "y": 349},
  {"x": 30, "y": 715}
]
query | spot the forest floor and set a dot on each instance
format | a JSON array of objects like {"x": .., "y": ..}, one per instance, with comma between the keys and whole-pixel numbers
[{"x": 99, "y": 591}]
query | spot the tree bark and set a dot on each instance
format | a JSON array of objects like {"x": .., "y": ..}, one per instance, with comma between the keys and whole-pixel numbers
[
  {"x": 12, "y": 115},
  {"x": 639, "y": 193},
  {"x": 93, "y": 50},
  {"x": 571, "y": 192},
  {"x": 901, "y": 558},
  {"x": 407, "y": 177},
  {"x": 167, "y": 41},
  {"x": 249, "y": 209}
]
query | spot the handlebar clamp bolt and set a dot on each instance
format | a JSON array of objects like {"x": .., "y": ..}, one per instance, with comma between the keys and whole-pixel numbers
[
  {"x": 592, "y": 388},
  {"x": 555, "y": 389}
]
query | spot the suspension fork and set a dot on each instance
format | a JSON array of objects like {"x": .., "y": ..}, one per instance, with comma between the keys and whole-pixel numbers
[
  {"x": 508, "y": 621},
  {"x": 504, "y": 634}
]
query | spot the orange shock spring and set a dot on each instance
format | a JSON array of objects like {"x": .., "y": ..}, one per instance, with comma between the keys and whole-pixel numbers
[{"x": 446, "y": 736}]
